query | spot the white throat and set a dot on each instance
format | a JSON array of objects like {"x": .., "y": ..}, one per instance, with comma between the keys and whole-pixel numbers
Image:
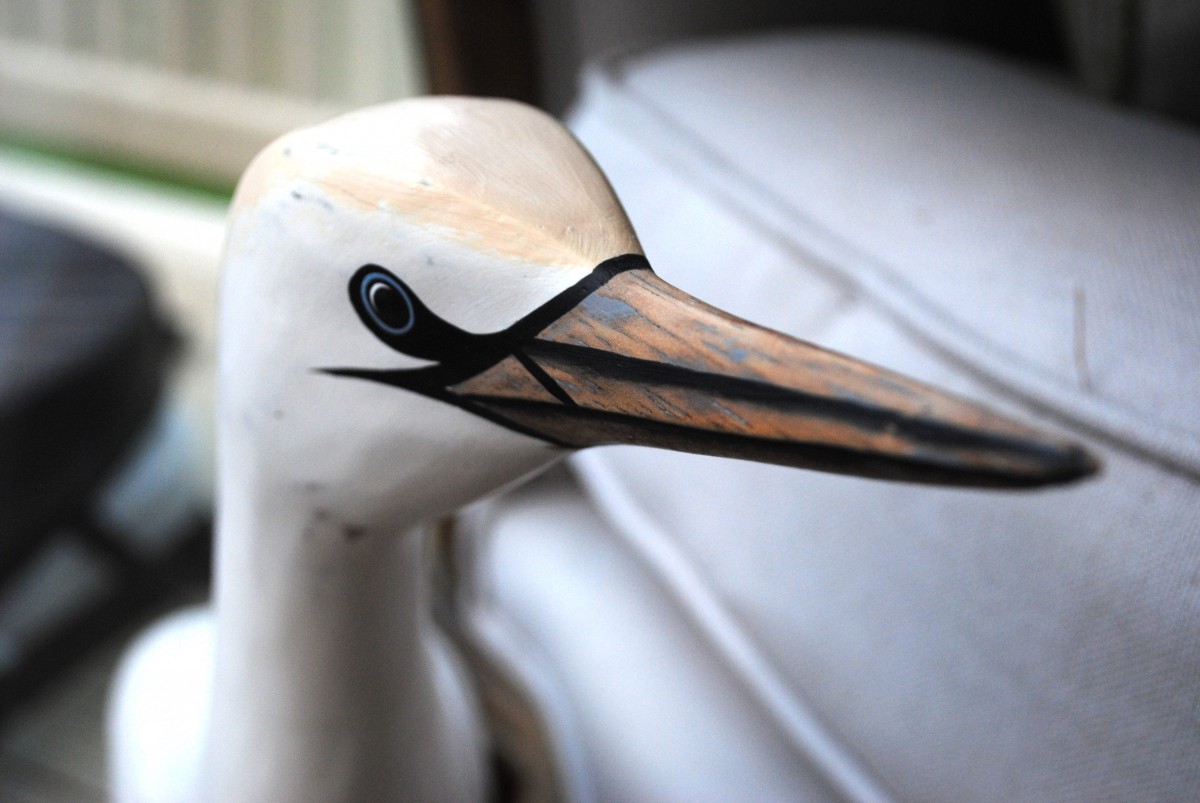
[{"x": 330, "y": 681}]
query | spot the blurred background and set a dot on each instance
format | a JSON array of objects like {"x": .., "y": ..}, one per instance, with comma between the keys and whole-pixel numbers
[{"x": 124, "y": 125}]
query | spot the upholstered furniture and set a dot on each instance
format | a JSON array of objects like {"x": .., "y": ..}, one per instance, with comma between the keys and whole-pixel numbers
[{"x": 960, "y": 217}]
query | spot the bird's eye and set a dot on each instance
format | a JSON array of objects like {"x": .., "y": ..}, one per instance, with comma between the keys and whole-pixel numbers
[{"x": 387, "y": 303}]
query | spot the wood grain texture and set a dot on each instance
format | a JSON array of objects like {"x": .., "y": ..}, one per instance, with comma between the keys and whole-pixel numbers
[
  {"x": 507, "y": 379},
  {"x": 640, "y": 362},
  {"x": 496, "y": 175},
  {"x": 638, "y": 315}
]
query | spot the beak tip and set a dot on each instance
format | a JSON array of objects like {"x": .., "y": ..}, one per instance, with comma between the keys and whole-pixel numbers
[
  {"x": 1073, "y": 463},
  {"x": 1081, "y": 463}
]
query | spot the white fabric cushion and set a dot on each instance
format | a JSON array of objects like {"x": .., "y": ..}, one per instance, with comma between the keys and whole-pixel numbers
[{"x": 980, "y": 227}]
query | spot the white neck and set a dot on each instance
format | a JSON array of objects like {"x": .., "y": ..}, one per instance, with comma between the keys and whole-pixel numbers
[{"x": 330, "y": 681}]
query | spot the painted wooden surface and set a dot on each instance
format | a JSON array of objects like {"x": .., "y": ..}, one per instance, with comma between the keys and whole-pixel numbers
[
  {"x": 639, "y": 361},
  {"x": 423, "y": 303}
]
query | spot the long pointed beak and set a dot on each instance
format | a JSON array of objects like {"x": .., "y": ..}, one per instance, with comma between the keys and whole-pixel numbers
[{"x": 640, "y": 362}]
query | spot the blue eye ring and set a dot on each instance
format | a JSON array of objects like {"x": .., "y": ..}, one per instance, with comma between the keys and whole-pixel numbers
[{"x": 367, "y": 288}]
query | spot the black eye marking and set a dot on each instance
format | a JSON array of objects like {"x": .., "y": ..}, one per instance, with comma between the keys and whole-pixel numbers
[
  {"x": 387, "y": 302},
  {"x": 394, "y": 314},
  {"x": 383, "y": 302}
]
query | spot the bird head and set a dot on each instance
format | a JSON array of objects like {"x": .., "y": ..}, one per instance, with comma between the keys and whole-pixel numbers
[{"x": 426, "y": 300}]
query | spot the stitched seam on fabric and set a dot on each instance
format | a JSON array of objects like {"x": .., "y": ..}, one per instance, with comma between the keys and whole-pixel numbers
[{"x": 810, "y": 736}]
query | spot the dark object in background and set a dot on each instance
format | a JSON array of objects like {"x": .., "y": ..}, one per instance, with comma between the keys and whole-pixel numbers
[
  {"x": 83, "y": 359},
  {"x": 1141, "y": 53},
  {"x": 480, "y": 47},
  {"x": 534, "y": 50}
]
